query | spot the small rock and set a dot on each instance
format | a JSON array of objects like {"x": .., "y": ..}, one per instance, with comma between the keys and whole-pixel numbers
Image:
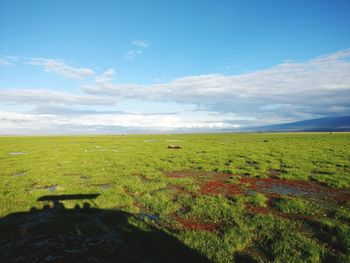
[{"x": 174, "y": 147}]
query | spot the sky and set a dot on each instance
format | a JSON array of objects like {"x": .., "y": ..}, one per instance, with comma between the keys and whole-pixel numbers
[{"x": 110, "y": 66}]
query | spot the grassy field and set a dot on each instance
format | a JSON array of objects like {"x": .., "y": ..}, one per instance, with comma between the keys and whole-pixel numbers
[{"x": 281, "y": 197}]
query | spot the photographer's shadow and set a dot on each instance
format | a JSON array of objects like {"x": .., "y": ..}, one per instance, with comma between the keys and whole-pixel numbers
[{"x": 86, "y": 234}]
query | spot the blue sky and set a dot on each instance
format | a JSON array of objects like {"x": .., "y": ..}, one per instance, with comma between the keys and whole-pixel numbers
[{"x": 162, "y": 66}]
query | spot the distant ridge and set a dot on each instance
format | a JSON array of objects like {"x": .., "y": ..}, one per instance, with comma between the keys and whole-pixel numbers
[{"x": 341, "y": 123}]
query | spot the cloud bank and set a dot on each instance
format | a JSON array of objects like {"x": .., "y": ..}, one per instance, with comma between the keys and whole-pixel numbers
[
  {"x": 25, "y": 123},
  {"x": 286, "y": 92},
  {"x": 313, "y": 87}
]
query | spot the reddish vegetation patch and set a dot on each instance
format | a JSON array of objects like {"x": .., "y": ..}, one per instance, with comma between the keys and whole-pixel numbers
[
  {"x": 267, "y": 183},
  {"x": 219, "y": 187},
  {"x": 217, "y": 183},
  {"x": 344, "y": 198},
  {"x": 265, "y": 210},
  {"x": 260, "y": 210},
  {"x": 268, "y": 210},
  {"x": 195, "y": 225}
]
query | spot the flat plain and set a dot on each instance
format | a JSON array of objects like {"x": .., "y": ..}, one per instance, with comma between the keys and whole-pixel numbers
[{"x": 265, "y": 197}]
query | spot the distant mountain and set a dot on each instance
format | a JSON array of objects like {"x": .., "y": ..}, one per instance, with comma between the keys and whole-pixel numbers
[{"x": 322, "y": 124}]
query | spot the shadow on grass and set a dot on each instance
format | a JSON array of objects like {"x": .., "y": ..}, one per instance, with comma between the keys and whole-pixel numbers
[{"x": 86, "y": 234}]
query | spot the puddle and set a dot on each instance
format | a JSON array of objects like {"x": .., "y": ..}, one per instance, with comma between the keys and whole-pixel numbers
[
  {"x": 297, "y": 188},
  {"x": 17, "y": 153},
  {"x": 51, "y": 188},
  {"x": 105, "y": 186},
  {"x": 287, "y": 190},
  {"x": 150, "y": 217}
]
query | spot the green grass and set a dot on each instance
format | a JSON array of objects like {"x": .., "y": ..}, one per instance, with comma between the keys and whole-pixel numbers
[
  {"x": 296, "y": 206},
  {"x": 130, "y": 174},
  {"x": 258, "y": 199}
]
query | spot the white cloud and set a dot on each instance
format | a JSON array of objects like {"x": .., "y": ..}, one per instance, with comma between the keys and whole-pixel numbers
[
  {"x": 36, "y": 97},
  {"x": 12, "y": 58},
  {"x": 323, "y": 82},
  {"x": 106, "y": 76},
  {"x": 132, "y": 54},
  {"x": 287, "y": 92},
  {"x": 59, "y": 67},
  {"x": 139, "y": 46},
  {"x": 140, "y": 43},
  {"x": 19, "y": 123}
]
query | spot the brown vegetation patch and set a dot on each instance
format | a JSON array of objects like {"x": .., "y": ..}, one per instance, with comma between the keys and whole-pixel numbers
[{"x": 269, "y": 210}]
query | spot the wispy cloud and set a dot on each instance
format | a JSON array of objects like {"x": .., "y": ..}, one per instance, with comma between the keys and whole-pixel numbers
[
  {"x": 12, "y": 58},
  {"x": 47, "y": 97},
  {"x": 61, "y": 68},
  {"x": 105, "y": 76},
  {"x": 140, "y": 43},
  {"x": 5, "y": 62},
  {"x": 132, "y": 54},
  {"x": 138, "y": 47}
]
